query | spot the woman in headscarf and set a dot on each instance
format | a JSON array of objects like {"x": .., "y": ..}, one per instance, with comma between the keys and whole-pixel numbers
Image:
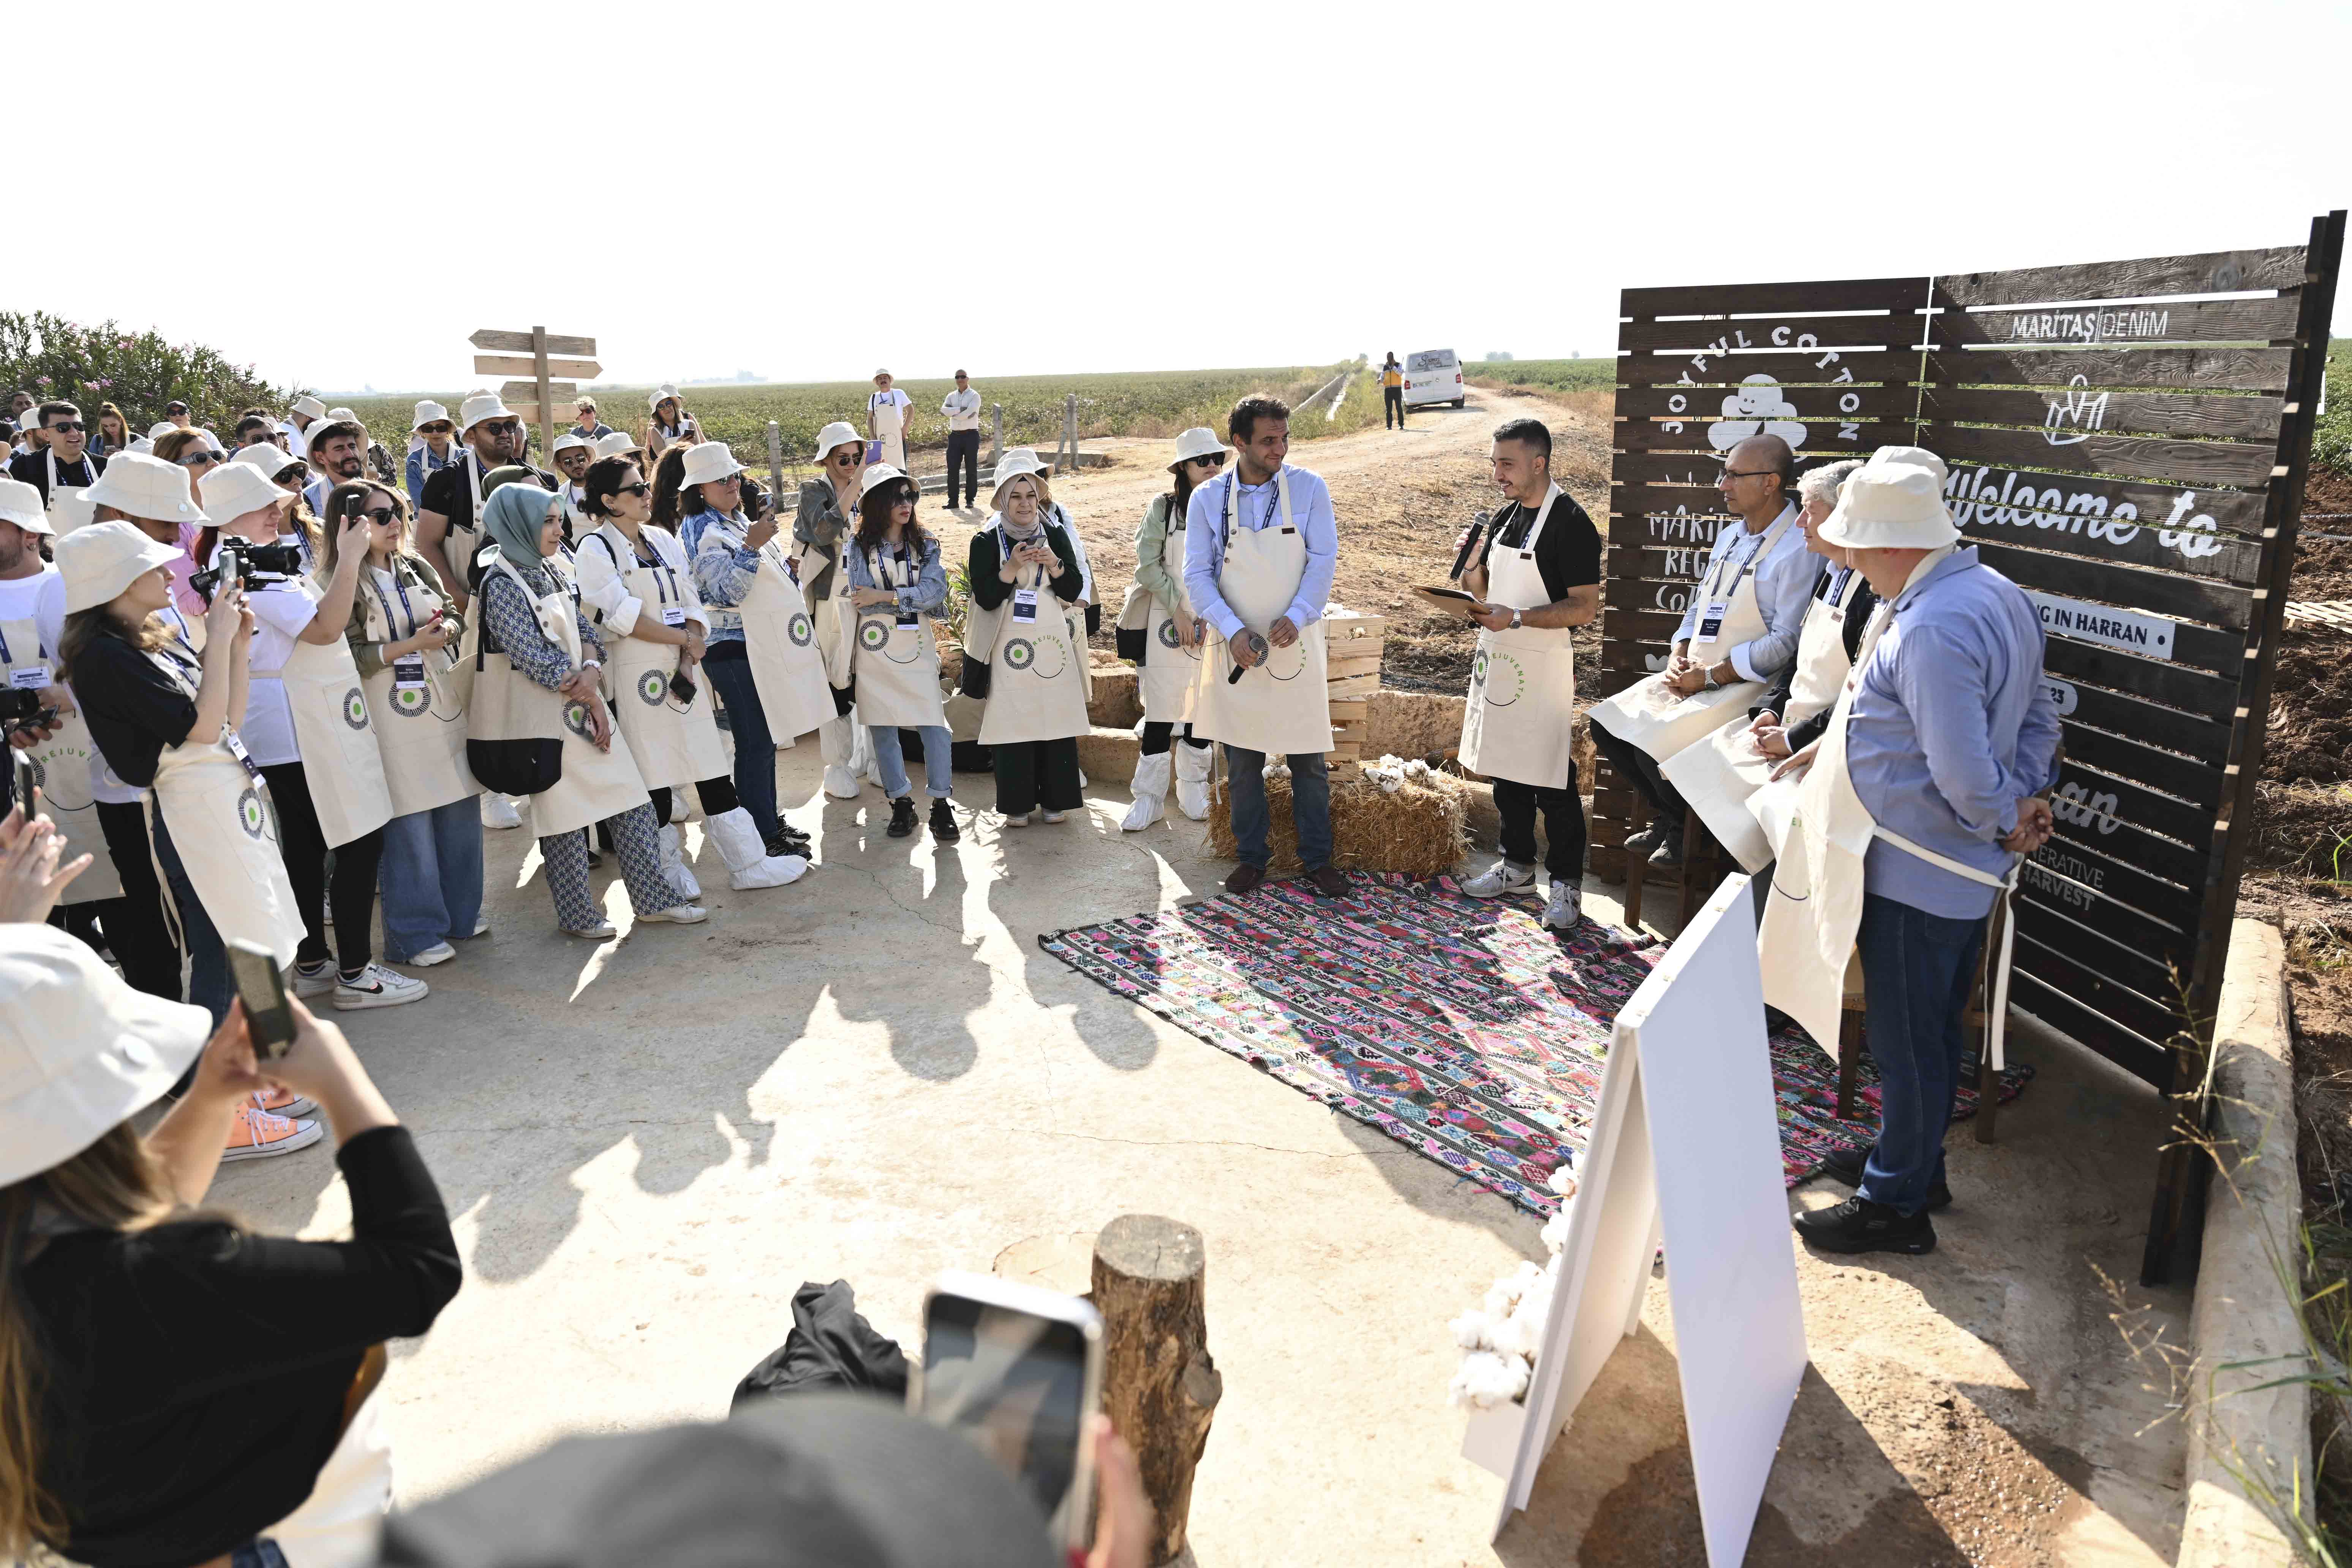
[
  {"x": 821, "y": 534},
  {"x": 536, "y": 671},
  {"x": 1024, "y": 573}
]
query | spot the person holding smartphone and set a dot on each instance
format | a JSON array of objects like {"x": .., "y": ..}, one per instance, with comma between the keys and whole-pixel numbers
[
  {"x": 198, "y": 1393},
  {"x": 899, "y": 586},
  {"x": 403, "y": 635},
  {"x": 821, "y": 533},
  {"x": 1024, "y": 571}
]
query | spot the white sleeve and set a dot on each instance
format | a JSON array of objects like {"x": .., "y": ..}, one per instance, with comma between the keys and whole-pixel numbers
[{"x": 601, "y": 588}]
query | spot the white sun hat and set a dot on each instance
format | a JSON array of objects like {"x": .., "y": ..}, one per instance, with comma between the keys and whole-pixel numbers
[
  {"x": 709, "y": 461},
  {"x": 99, "y": 562},
  {"x": 654, "y": 398},
  {"x": 481, "y": 406},
  {"x": 20, "y": 503},
  {"x": 1016, "y": 462},
  {"x": 161, "y": 428},
  {"x": 270, "y": 458},
  {"x": 613, "y": 445},
  {"x": 1913, "y": 456},
  {"x": 80, "y": 1051},
  {"x": 231, "y": 489},
  {"x": 1198, "y": 442},
  {"x": 146, "y": 487},
  {"x": 570, "y": 440},
  {"x": 880, "y": 474},
  {"x": 840, "y": 433},
  {"x": 310, "y": 407},
  {"x": 1890, "y": 506},
  {"x": 428, "y": 413}
]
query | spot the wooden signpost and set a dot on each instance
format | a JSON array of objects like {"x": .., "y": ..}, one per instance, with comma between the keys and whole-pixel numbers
[
  {"x": 2127, "y": 441},
  {"x": 535, "y": 353}
]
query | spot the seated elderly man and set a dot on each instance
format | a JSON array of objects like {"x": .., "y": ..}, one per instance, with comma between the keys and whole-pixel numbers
[
  {"x": 1738, "y": 632},
  {"x": 1921, "y": 798}
]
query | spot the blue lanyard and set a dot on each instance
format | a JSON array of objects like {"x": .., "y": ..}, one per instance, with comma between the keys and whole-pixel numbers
[
  {"x": 5, "y": 658},
  {"x": 665, "y": 579}
]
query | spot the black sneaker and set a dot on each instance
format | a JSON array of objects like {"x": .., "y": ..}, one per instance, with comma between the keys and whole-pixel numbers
[
  {"x": 786, "y": 840},
  {"x": 943, "y": 823},
  {"x": 902, "y": 817},
  {"x": 1643, "y": 840},
  {"x": 1858, "y": 1224},
  {"x": 1845, "y": 1167},
  {"x": 1668, "y": 855}
]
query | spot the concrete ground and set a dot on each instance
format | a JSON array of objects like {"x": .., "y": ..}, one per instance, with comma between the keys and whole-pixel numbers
[{"x": 875, "y": 1075}]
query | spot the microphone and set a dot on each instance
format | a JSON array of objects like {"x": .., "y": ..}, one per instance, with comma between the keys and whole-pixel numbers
[
  {"x": 1258, "y": 647},
  {"x": 1469, "y": 546}
]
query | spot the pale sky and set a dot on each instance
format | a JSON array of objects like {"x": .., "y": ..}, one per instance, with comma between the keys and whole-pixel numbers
[{"x": 814, "y": 192}]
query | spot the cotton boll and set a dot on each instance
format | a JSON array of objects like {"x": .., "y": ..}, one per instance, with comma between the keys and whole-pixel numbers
[
  {"x": 1509, "y": 1288},
  {"x": 1520, "y": 1333},
  {"x": 1474, "y": 1330},
  {"x": 1555, "y": 1230},
  {"x": 1416, "y": 768},
  {"x": 1485, "y": 1379},
  {"x": 1563, "y": 1180}
]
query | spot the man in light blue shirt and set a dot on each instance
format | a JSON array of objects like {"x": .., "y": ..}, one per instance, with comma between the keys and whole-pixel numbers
[
  {"x": 1950, "y": 739},
  {"x": 1259, "y": 428}
]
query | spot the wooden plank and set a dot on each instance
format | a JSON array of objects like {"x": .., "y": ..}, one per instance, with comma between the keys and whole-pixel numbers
[
  {"x": 2152, "y": 593},
  {"x": 2194, "y": 647},
  {"x": 1339, "y": 665},
  {"x": 2223, "y": 557},
  {"x": 2147, "y": 974},
  {"x": 2181, "y": 683},
  {"x": 2161, "y": 942},
  {"x": 1639, "y": 626},
  {"x": 1705, "y": 403},
  {"x": 2001, "y": 494},
  {"x": 2142, "y": 1058},
  {"x": 2126, "y": 886},
  {"x": 1675, "y": 562},
  {"x": 1702, "y": 299},
  {"x": 2104, "y": 803},
  {"x": 524, "y": 364},
  {"x": 2130, "y": 457},
  {"x": 2215, "y": 320},
  {"x": 2257, "y": 370},
  {"x": 1798, "y": 335},
  {"x": 2213, "y": 272},
  {"x": 1823, "y": 439},
  {"x": 1637, "y": 593},
  {"x": 2329, "y": 615},
  {"x": 2196, "y": 743},
  {"x": 1356, "y": 686},
  {"x": 2141, "y": 1014},
  {"x": 2111, "y": 835},
  {"x": 1827, "y": 367},
  {"x": 491, "y": 337},
  {"x": 528, "y": 391},
  {"x": 2084, "y": 409},
  {"x": 1692, "y": 471},
  {"x": 2095, "y": 752},
  {"x": 1351, "y": 709}
]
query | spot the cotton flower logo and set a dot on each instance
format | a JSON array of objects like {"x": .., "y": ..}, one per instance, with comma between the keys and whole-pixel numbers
[{"x": 1757, "y": 408}]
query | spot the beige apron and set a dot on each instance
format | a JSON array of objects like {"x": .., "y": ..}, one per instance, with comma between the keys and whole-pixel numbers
[
  {"x": 226, "y": 831},
  {"x": 1281, "y": 706},
  {"x": 510, "y": 705},
  {"x": 835, "y": 617},
  {"x": 1519, "y": 721},
  {"x": 419, "y": 714},
  {"x": 340, "y": 758},
  {"x": 890, "y": 429},
  {"x": 897, "y": 659},
  {"x": 1648, "y": 715},
  {"x": 1723, "y": 777},
  {"x": 674, "y": 743},
  {"x": 1075, "y": 612},
  {"x": 64, "y": 518},
  {"x": 1036, "y": 690},
  {"x": 1170, "y": 670},
  {"x": 339, "y": 1523},
  {"x": 62, "y": 766},
  {"x": 791, "y": 665}
]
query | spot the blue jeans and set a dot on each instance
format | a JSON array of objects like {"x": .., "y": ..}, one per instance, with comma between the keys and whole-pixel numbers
[
  {"x": 1916, "y": 973},
  {"x": 209, "y": 986},
  {"x": 938, "y": 760},
  {"x": 1310, "y": 805},
  {"x": 755, "y": 748},
  {"x": 431, "y": 877},
  {"x": 261, "y": 1554}
]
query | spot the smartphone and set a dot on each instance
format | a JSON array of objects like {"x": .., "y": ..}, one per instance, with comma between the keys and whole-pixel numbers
[
  {"x": 682, "y": 686},
  {"x": 1019, "y": 1371},
  {"x": 354, "y": 506},
  {"x": 267, "y": 1017}
]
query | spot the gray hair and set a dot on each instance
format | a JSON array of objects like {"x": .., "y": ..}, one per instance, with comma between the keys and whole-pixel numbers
[{"x": 1823, "y": 483}]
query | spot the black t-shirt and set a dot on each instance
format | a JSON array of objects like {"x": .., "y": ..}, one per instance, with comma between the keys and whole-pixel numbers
[
  {"x": 33, "y": 467},
  {"x": 133, "y": 708},
  {"x": 446, "y": 493},
  {"x": 1568, "y": 554}
]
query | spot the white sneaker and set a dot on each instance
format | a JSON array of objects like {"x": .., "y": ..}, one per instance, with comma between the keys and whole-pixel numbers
[
  {"x": 1020, "y": 821},
  {"x": 378, "y": 987},
  {"x": 497, "y": 811},
  {"x": 1056, "y": 816},
  {"x": 840, "y": 782},
  {"x": 1502, "y": 877},
  {"x": 439, "y": 953},
  {"x": 1567, "y": 905},
  {"x": 481, "y": 927},
  {"x": 603, "y": 931},
  {"x": 315, "y": 981},
  {"x": 678, "y": 914}
]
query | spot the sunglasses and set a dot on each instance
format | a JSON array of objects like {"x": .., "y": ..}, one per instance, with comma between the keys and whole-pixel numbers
[
  {"x": 640, "y": 490},
  {"x": 442, "y": 428},
  {"x": 500, "y": 426},
  {"x": 199, "y": 460},
  {"x": 382, "y": 516},
  {"x": 848, "y": 459},
  {"x": 65, "y": 427},
  {"x": 1213, "y": 460}
]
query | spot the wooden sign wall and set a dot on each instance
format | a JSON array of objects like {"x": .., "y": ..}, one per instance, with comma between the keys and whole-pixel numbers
[{"x": 2128, "y": 442}]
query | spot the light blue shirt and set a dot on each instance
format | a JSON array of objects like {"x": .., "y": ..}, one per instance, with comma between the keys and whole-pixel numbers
[
  {"x": 1951, "y": 727},
  {"x": 1784, "y": 589},
  {"x": 927, "y": 592},
  {"x": 1260, "y": 509},
  {"x": 723, "y": 569},
  {"x": 422, "y": 465}
]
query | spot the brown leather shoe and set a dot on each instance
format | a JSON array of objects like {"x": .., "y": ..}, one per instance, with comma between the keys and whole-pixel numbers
[
  {"x": 1244, "y": 877},
  {"x": 1328, "y": 882}
]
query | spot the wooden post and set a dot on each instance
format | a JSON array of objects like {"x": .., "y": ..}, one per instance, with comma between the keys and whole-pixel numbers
[
  {"x": 995, "y": 434},
  {"x": 538, "y": 369},
  {"x": 1069, "y": 431},
  {"x": 1160, "y": 1387},
  {"x": 776, "y": 461}
]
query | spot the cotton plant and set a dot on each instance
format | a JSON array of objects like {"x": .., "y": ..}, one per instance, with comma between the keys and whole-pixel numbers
[{"x": 1500, "y": 1336}]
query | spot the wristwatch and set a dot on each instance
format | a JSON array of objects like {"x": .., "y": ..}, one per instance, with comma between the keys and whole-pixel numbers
[
  {"x": 1514, "y": 620},
  {"x": 1712, "y": 683}
]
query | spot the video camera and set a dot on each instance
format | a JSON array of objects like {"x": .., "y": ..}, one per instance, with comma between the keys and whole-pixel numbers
[{"x": 248, "y": 562}]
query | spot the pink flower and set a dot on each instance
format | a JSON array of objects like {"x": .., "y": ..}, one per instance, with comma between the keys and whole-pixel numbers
[{"x": 40, "y": 381}]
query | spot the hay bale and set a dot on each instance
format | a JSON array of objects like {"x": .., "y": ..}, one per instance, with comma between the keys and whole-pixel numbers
[{"x": 1416, "y": 829}]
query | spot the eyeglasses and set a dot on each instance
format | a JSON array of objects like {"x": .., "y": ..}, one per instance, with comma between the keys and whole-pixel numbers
[
  {"x": 1213, "y": 460},
  {"x": 1749, "y": 473},
  {"x": 500, "y": 426},
  {"x": 442, "y": 428},
  {"x": 200, "y": 459},
  {"x": 67, "y": 427},
  {"x": 382, "y": 516},
  {"x": 730, "y": 480},
  {"x": 845, "y": 459},
  {"x": 640, "y": 489},
  {"x": 176, "y": 408}
]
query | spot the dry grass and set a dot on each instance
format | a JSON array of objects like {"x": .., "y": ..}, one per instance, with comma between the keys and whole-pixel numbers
[{"x": 1417, "y": 829}]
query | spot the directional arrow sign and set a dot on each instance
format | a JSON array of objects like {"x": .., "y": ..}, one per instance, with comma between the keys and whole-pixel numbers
[
  {"x": 512, "y": 342},
  {"x": 528, "y": 391},
  {"x": 524, "y": 364}
]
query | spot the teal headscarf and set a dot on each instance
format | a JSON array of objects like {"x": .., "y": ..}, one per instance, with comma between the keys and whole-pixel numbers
[{"x": 512, "y": 518}]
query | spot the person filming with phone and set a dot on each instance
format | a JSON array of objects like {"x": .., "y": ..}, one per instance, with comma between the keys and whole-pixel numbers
[{"x": 175, "y": 1389}]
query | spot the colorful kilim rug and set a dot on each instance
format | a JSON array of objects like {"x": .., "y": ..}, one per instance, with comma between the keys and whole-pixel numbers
[{"x": 1462, "y": 1029}]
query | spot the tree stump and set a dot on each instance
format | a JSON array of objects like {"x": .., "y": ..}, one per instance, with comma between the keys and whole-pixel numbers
[{"x": 1160, "y": 1387}]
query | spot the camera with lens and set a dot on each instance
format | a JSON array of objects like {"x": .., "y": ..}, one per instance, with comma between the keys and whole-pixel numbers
[{"x": 247, "y": 562}]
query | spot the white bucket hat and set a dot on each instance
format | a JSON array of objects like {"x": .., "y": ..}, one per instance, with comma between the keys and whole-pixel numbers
[
  {"x": 480, "y": 407},
  {"x": 80, "y": 1051},
  {"x": 570, "y": 440},
  {"x": 309, "y": 409},
  {"x": 428, "y": 413},
  {"x": 349, "y": 413},
  {"x": 1890, "y": 506},
  {"x": 231, "y": 489},
  {"x": 654, "y": 398},
  {"x": 99, "y": 562},
  {"x": 840, "y": 433},
  {"x": 161, "y": 428},
  {"x": 1016, "y": 462},
  {"x": 146, "y": 487},
  {"x": 20, "y": 503},
  {"x": 613, "y": 445},
  {"x": 1913, "y": 456},
  {"x": 1198, "y": 442},
  {"x": 709, "y": 461},
  {"x": 880, "y": 474},
  {"x": 270, "y": 458}
]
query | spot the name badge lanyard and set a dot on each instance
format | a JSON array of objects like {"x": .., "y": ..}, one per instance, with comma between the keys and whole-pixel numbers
[
  {"x": 665, "y": 588},
  {"x": 183, "y": 669},
  {"x": 879, "y": 566},
  {"x": 32, "y": 677},
  {"x": 1234, "y": 508},
  {"x": 1024, "y": 600},
  {"x": 408, "y": 670},
  {"x": 1718, "y": 607}
]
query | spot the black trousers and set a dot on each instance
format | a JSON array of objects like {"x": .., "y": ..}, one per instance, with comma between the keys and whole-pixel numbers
[
  {"x": 1156, "y": 736},
  {"x": 717, "y": 796},
  {"x": 1032, "y": 773},
  {"x": 1392, "y": 407},
  {"x": 964, "y": 448},
  {"x": 1563, "y": 816},
  {"x": 304, "y": 848},
  {"x": 1666, "y": 803},
  {"x": 134, "y": 923}
]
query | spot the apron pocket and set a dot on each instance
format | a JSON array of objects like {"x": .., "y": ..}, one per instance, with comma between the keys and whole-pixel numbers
[{"x": 516, "y": 767}]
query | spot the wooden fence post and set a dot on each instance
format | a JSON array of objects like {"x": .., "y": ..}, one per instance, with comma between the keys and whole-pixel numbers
[
  {"x": 1161, "y": 1386},
  {"x": 775, "y": 461},
  {"x": 996, "y": 435},
  {"x": 538, "y": 369}
]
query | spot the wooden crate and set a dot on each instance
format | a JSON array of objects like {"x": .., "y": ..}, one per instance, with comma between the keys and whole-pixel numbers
[{"x": 1352, "y": 646}]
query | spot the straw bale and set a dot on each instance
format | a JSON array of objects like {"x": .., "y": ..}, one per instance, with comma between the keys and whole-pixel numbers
[{"x": 1416, "y": 829}]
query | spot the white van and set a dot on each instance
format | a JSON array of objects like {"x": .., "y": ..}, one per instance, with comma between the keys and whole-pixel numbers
[{"x": 1433, "y": 375}]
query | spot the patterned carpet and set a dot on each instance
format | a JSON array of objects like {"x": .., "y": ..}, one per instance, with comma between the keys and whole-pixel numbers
[{"x": 1463, "y": 1029}]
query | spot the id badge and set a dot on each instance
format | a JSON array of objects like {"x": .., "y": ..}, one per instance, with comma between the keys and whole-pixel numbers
[
  {"x": 1024, "y": 605},
  {"x": 29, "y": 678},
  {"x": 673, "y": 614},
  {"x": 1710, "y": 625},
  {"x": 408, "y": 674},
  {"x": 909, "y": 619},
  {"x": 235, "y": 745}
]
